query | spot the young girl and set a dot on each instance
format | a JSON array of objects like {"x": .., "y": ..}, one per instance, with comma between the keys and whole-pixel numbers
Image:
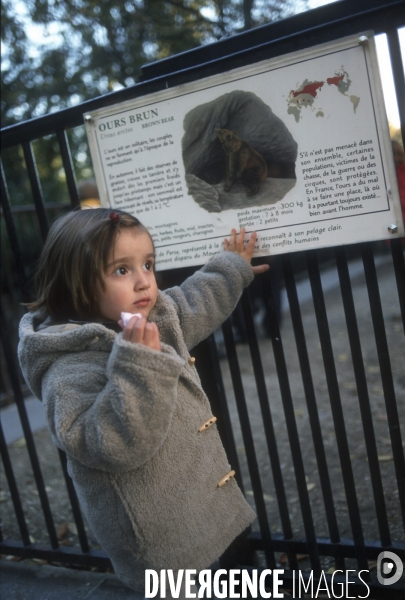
[{"x": 125, "y": 402}]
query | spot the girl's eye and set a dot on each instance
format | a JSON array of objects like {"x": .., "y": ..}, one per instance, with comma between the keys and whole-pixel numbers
[
  {"x": 148, "y": 265},
  {"x": 121, "y": 271}
]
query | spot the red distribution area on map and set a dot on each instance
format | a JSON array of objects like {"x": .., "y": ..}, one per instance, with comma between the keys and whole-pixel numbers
[
  {"x": 310, "y": 88},
  {"x": 335, "y": 80}
]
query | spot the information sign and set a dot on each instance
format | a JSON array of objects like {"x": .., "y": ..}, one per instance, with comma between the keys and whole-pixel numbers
[{"x": 296, "y": 148}]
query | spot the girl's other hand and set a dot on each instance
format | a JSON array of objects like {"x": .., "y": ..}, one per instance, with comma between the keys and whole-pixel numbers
[
  {"x": 139, "y": 331},
  {"x": 237, "y": 244}
]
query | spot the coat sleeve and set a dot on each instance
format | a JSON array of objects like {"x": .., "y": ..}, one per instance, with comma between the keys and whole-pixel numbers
[
  {"x": 207, "y": 298},
  {"x": 113, "y": 419}
]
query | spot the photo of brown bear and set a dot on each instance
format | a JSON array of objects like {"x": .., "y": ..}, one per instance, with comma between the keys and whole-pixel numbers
[
  {"x": 242, "y": 162},
  {"x": 237, "y": 153}
]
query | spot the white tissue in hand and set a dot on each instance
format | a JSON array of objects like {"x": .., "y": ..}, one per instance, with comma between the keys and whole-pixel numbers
[{"x": 126, "y": 317}]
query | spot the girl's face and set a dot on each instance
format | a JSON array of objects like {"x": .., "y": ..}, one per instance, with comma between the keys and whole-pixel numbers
[{"x": 130, "y": 283}]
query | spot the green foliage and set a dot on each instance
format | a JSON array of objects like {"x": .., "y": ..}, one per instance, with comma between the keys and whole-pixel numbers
[{"x": 87, "y": 48}]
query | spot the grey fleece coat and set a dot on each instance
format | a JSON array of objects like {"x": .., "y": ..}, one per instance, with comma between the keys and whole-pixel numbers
[{"x": 128, "y": 418}]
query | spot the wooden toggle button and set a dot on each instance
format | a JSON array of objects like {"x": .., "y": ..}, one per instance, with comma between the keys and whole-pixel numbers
[
  {"x": 207, "y": 424},
  {"x": 225, "y": 479}
]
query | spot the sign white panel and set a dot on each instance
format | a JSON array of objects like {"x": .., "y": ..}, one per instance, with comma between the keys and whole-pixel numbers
[{"x": 296, "y": 148}]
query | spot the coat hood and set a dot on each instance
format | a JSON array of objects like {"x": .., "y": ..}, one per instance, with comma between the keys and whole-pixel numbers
[{"x": 41, "y": 343}]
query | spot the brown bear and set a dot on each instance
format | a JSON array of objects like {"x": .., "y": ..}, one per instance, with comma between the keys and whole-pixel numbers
[{"x": 242, "y": 162}]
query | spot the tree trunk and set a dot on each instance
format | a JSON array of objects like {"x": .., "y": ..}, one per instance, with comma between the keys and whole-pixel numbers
[{"x": 247, "y": 14}]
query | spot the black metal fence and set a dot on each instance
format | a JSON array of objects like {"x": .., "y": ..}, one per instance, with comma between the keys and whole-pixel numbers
[{"x": 265, "y": 544}]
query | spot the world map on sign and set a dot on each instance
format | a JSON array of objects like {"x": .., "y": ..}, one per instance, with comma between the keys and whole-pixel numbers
[{"x": 309, "y": 94}]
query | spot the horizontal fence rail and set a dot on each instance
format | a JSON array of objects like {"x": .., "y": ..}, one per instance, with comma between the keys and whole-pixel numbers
[{"x": 264, "y": 443}]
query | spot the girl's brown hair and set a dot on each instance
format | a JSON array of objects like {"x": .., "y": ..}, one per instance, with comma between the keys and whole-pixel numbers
[{"x": 74, "y": 259}]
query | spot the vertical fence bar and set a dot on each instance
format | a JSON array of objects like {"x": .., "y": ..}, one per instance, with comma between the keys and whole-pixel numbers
[
  {"x": 248, "y": 442},
  {"x": 336, "y": 406},
  {"x": 398, "y": 258},
  {"x": 271, "y": 442},
  {"x": 207, "y": 364},
  {"x": 209, "y": 370},
  {"x": 289, "y": 414},
  {"x": 310, "y": 398},
  {"x": 386, "y": 372},
  {"x": 398, "y": 72},
  {"x": 36, "y": 189},
  {"x": 12, "y": 236},
  {"x": 19, "y": 512},
  {"x": 19, "y": 400},
  {"x": 364, "y": 400},
  {"x": 74, "y": 503},
  {"x": 268, "y": 426},
  {"x": 68, "y": 166}
]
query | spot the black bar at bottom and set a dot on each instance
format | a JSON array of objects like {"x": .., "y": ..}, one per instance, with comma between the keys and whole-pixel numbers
[
  {"x": 64, "y": 554},
  {"x": 346, "y": 547}
]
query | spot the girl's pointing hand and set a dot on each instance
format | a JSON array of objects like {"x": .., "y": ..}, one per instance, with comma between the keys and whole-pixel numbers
[{"x": 237, "y": 244}]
